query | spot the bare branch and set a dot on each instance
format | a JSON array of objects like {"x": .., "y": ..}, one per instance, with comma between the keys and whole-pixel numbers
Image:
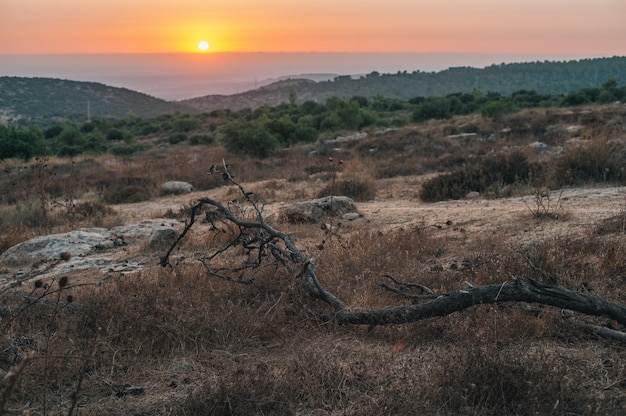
[{"x": 259, "y": 246}]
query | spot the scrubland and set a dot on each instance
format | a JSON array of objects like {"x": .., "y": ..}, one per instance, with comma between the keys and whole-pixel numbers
[{"x": 176, "y": 341}]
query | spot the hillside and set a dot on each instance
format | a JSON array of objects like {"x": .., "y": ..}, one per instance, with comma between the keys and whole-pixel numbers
[
  {"x": 543, "y": 77},
  {"x": 46, "y": 101}
]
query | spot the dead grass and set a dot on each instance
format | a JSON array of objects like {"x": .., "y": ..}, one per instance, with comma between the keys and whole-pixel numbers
[{"x": 175, "y": 342}]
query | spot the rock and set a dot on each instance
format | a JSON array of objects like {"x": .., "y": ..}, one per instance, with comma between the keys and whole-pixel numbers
[
  {"x": 176, "y": 187},
  {"x": 539, "y": 147},
  {"x": 162, "y": 237},
  {"x": 472, "y": 195},
  {"x": 314, "y": 211},
  {"x": 351, "y": 216},
  {"x": 86, "y": 248}
]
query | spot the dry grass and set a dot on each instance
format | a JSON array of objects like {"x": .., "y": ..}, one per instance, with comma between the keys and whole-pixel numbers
[{"x": 172, "y": 341}]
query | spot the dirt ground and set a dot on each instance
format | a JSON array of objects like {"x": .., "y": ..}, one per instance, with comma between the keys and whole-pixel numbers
[{"x": 397, "y": 205}]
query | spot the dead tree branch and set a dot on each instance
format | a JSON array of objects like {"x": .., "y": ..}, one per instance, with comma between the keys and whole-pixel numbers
[{"x": 259, "y": 245}]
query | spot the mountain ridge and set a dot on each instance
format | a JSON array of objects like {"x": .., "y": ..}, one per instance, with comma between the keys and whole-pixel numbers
[
  {"x": 47, "y": 101},
  {"x": 545, "y": 77}
]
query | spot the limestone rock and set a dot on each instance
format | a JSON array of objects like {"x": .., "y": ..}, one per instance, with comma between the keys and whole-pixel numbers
[
  {"x": 162, "y": 237},
  {"x": 176, "y": 187},
  {"x": 86, "y": 248},
  {"x": 314, "y": 211}
]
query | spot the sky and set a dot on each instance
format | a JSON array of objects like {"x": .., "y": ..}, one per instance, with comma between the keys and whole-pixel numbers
[{"x": 163, "y": 26}]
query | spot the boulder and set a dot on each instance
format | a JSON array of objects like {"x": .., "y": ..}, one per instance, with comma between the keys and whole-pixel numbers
[
  {"x": 316, "y": 210},
  {"x": 162, "y": 237},
  {"x": 88, "y": 248},
  {"x": 176, "y": 187}
]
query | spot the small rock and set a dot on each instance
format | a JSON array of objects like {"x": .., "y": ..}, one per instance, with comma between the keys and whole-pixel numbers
[
  {"x": 351, "y": 216},
  {"x": 314, "y": 211},
  {"x": 176, "y": 187}
]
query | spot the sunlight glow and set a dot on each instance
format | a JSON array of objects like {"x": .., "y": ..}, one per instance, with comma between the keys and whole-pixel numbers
[{"x": 203, "y": 45}]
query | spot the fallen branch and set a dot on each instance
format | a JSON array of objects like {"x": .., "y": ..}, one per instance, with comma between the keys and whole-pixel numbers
[{"x": 265, "y": 246}]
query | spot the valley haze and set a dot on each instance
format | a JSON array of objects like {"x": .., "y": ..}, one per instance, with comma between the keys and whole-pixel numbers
[{"x": 178, "y": 76}]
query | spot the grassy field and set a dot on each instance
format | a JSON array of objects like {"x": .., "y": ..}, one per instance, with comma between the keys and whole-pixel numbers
[{"x": 174, "y": 341}]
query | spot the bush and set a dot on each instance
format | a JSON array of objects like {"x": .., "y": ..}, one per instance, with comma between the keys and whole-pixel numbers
[
  {"x": 249, "y": 139},
  {"x": 487, "y": 175},
  {"x": 22, "y": 144},
  {"x": 115, "y": 135},
  {"x": 177, "y": 138},
  {"x": 497, "y": 109},
  {"x": 433, "y": 108},
  {"x": 359, "y": 190},
  {"x": 127, "y": 194},
  {"x": 126, "y": 150},
  {"x": 201, "y": 139},
  {"x": 598, "y": 161}
]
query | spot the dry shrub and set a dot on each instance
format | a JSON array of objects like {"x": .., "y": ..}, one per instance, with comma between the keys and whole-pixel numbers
[
  {"x": 127, "y": 194},
  {"x": 357, "y": 189},
  {"x": 489, "y": 175},
  {"x": 597, "y": 161},
  {"x": 11, "y": 235},
  {"x": 490, "y": 380}
]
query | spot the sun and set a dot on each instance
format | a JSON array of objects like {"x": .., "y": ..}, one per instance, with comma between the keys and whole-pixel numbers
[{"x": 203, "y": 45}]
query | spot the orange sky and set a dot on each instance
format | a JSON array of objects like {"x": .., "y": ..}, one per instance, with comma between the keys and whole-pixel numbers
[{"x": 154, "y": 26}]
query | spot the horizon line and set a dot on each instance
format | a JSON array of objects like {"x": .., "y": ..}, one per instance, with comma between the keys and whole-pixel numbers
[{"x": 311, "y": 52}]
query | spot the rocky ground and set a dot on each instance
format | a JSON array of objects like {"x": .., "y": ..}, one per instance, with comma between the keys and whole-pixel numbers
[{"x": 143, "y": 239}]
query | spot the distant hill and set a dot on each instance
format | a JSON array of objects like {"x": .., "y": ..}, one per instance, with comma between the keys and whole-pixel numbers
[
  {"x": 544, "y": 77},
  {"x": 44, "y": 101},
  {"x": 47, "y": 101}
]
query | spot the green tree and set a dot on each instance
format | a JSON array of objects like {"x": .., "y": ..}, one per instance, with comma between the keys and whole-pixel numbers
[
  {"x": 71, "y": 141},
  {"x": 250, "y": 139},
  {"x": 497, "y": 109},
  {"x": 23, "y": 144},
  {"x": 432, "y": 108}
]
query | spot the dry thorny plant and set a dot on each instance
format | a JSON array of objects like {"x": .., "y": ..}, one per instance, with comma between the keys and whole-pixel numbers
[
  {"x": 51, "y": 299},
  {"x": 254, "y": 246}
]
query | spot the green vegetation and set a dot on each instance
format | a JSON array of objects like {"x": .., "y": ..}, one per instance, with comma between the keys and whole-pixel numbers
[
  {"x": 45, "y": 101},
  {"x": 262, "y": 131},
  {"x": 553, "y": 78}
]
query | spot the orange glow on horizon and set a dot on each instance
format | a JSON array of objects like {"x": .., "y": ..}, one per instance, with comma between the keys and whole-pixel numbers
[{"x": 149, "y": 26}]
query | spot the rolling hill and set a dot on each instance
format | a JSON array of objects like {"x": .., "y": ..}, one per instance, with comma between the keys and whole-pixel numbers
[
  {"x": 48, "y": 101},
  {"x": 45, "y": 101},
  {"x": 544, "y": 77}
]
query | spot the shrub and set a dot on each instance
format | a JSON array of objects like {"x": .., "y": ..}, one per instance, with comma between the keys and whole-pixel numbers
[
  {"x": 248, "y": 139},
  {"x": 359, "y": 190},
  {"x": 598, "y": 161},
  {"x": 177, "y": 138},
  {"x": 487, "y": 175},
  {"x": 201, "y": 139},
  {"x": 497, "y": 109},
  {"x": 433, "y": 108},
  {"x": 115, "y": 135},
  {"x": 126, "y": 150},
  {"x": 127, "y": 194}
]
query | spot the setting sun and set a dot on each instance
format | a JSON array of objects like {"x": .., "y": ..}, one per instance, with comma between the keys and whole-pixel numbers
[{"x": 203, "y": 45}]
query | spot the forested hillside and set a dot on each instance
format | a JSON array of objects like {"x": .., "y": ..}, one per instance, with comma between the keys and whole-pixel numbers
[
  {"x": 542, "y": 77},
  {"x": 47, "y": 101}
]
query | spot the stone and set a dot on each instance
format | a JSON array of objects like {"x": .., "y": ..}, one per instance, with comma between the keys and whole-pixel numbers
[
  {"x": 315, "y": 210},
  {"x": 351, "y": 216},
  {"x": 176, "y": 188},
  {"x": 162, "y": 237},
  {"x": 87, "y": 248}
]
